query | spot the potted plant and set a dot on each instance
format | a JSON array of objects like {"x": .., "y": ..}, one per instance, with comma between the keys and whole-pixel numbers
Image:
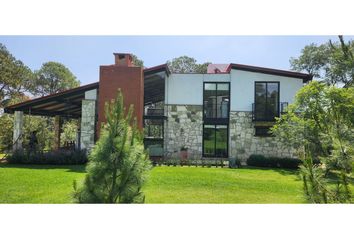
[{"x": 183, "y": 154}]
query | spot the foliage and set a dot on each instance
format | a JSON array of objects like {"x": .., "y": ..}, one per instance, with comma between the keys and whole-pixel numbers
[
  {"x": 69, "y": 131},
  {"x": 42, "y": 125},
  {"x": 15, "y": 77},
  {"x": 234, "y": 163},
  {"x": 118, "y": 164},
  {"x": 137, "y": 62},
  {"x": 332, "y": 61},
  {"x": 319, "y": 125},
  {"x": 53, "y": 77},
  {"x": 185, "y": 64},
  {"x": 274, "y": 162},
  {"x": 60, "y": 157}
]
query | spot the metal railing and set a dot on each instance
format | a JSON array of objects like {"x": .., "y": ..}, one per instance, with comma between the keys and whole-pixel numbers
[{"x": 155, "y": 112}]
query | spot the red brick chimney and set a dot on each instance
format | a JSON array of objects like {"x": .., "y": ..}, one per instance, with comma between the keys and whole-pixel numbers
[
  {"x": 129, "y": 78},
  {"x": 123, "y": 59}
]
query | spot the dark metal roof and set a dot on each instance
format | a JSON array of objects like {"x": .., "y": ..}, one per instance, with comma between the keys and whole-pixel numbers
[
  {"x": 156, "y": 69},
  {"x": 305, "y": 77},
  {"x": 66, "y": 103}
]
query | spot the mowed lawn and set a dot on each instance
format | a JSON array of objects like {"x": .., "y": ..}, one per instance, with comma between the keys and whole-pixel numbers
[{"x": 53, "y": 184}]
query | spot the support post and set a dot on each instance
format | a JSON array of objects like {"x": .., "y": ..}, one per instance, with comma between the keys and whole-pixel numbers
[
  {"x": 88, "y": 120},
  {"x": 57, "y": 131},
  {"x": 18, "y": 130}
]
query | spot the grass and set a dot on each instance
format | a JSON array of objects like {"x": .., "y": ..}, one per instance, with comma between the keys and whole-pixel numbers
[
  {"x": 53, "y": 184},
  {"x": 216, "y": 185},
  {"x": 37, "y": 183}
]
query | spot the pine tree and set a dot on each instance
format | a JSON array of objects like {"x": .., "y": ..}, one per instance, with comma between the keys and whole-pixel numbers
[{"x": 118, "y": 164}]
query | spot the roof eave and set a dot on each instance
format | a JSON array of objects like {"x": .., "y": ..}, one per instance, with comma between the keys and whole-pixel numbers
[{"x": 305, "y": 77}]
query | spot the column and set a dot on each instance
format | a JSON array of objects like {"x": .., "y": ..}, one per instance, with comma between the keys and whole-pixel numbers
[
  {"x": 57, "y": 131},
  {"x": 88, "y": 120},
  {"x": 18, "y": 130}
]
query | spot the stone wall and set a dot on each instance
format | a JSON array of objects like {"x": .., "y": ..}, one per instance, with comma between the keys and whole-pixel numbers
[
  {"x": 184, "y": 127},
  {"x": 243, "y": 141},
  {"x": 88, "y": 120}
]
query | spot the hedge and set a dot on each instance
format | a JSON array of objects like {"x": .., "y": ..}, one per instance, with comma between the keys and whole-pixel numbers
[
  {"x": 274, "y": 162},
  {"x": 59, "y": 157}
]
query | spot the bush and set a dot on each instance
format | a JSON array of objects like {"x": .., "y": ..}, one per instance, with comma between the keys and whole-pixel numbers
[
  {"x": 234, "y": 163},
  {"x": 60, "y": 157},
  {"x": 274, "y": 162}
]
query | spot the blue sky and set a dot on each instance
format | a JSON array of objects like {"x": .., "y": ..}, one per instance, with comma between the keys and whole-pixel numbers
[{"x": 84, "y": 54}]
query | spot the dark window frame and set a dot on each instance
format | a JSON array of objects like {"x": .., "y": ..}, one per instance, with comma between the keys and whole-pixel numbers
[
  {"x": 266, "y": 90},
  {"x": 216, "y": 120},
  {"x": 227, "y": 141}
]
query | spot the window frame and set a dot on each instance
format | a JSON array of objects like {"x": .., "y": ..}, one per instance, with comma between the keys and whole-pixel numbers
[
  {"x": 266, "y": 90},
  {"x": 216, "y": 120},
  {"x": 227, "y": 141}
]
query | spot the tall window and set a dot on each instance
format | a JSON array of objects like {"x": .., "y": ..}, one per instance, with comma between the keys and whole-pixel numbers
[
  {"x": 215, "y": 141},
  {"x": 216, "y": 100},
  {"x": 266, "y": 101}
]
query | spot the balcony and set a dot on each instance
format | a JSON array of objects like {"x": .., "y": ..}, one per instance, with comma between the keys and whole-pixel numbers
[
  {"x": 154, "y": 113},
  {"x": 267, "y": 113}
]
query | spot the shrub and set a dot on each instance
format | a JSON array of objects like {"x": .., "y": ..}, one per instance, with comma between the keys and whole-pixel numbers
[
  {"x": 258, "y": 161},
  {"x": 60, "y": 157},
  {"x": 262, "y": 161},
  {"x": 234, "y": 163},
  {"x": 292, "y": 163}
]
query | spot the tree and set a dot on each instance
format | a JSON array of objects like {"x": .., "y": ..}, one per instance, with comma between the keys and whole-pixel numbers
[
  {"x": 54, "y": 77},
  {"x": 185, "y": 64},
  {"x": 118, "y": 164},
  {"x": 332, "y": 62},
  {"x": 319, "y": 125},
  {"x": 15, "y": 77},
  {"x": 137, "y": 62},
  {"x": 69, "y": 131}
]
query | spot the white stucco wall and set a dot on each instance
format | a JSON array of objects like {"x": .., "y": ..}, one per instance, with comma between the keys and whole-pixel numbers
[
  {"x": 243, "y": 83},
  {"x": 187, "y": 89}
]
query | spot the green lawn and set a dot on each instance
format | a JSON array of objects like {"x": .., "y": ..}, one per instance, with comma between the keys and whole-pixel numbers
[
  {"x": 53, "y": 184},
  {"x": 216, "y": 185}
]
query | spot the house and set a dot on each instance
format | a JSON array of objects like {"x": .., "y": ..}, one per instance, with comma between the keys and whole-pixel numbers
[{"x": 224, "y": 113}]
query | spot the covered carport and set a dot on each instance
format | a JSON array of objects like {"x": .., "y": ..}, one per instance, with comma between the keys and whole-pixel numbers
[{"x": 77, "y": 103}]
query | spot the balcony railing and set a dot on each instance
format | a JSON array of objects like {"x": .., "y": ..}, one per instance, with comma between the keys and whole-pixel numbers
[
  {"x": 155, "y": 112},
  {"x": 267, "y": 113}
]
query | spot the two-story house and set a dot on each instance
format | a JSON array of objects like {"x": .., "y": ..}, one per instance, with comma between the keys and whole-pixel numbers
[{"x": 224, "y": 113}]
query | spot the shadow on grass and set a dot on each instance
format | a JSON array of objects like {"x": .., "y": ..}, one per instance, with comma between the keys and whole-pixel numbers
[{"x": 70, "y": 168}]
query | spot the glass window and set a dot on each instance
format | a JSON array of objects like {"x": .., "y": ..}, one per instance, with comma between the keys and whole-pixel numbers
[
  {"x": 209, "y": 140},
  {"x": 210, "y": 100},
  {"x": 215, "y": 141},
  {"x": 216, "y": 100},
  {"x": 266, "y": 101}
]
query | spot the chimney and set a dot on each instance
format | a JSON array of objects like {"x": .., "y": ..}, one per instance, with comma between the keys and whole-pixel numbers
[{"x": 123, "y": 59}]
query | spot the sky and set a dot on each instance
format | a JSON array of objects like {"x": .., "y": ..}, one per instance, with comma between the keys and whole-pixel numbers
[{"x": 84, "y": 54}]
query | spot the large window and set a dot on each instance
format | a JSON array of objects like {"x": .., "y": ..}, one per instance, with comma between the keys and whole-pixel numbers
[
  {"x": 216, "y": 100},
  {"x": 266, "y": 101},
  {"x": 215, "y": 141}
]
